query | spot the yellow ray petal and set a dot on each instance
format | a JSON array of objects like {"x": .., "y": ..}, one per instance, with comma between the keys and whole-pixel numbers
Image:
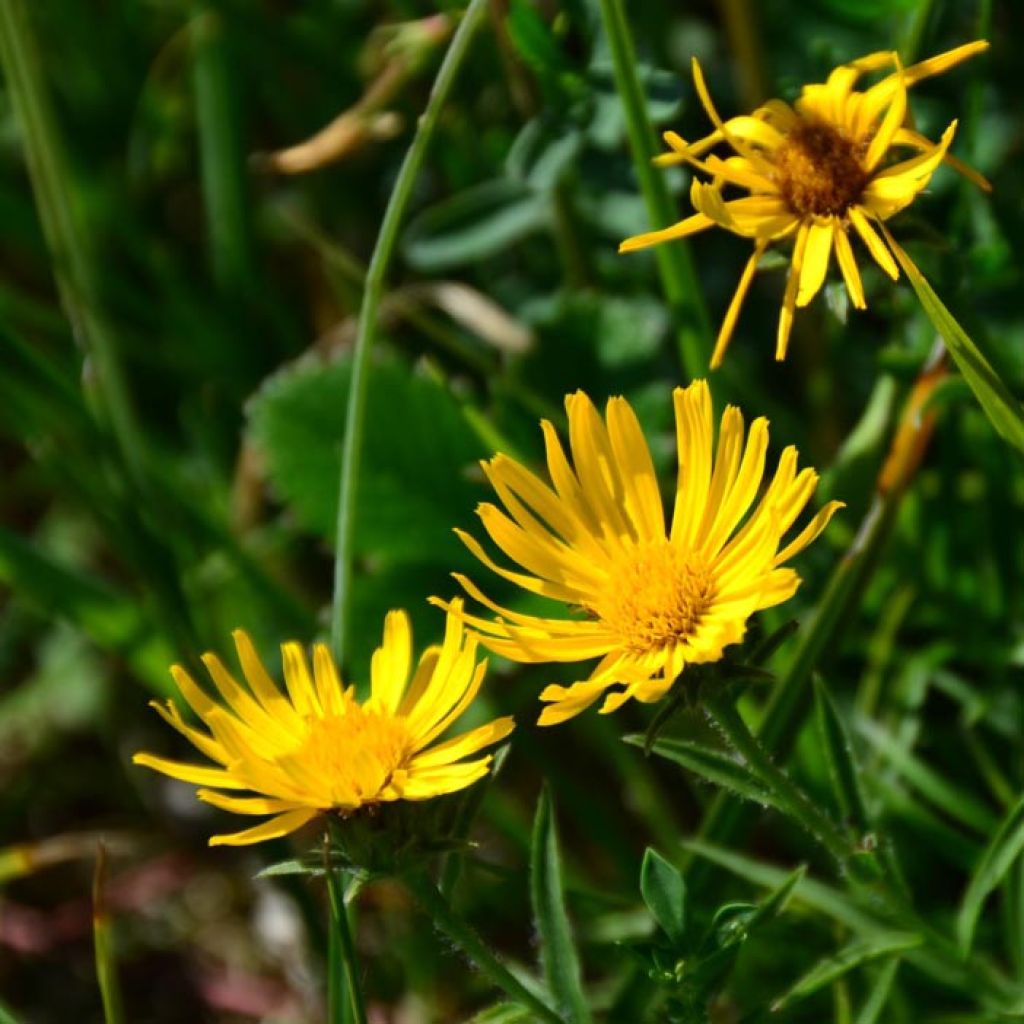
[
  {"x": 462, "y": 746},
  {"x": 816, "y": 254},
  {"x": 245, "y": 804},
  {"x": 789, "y": 297},
  {"x": 629, "y": 447},
  {"x": 391, "y": 662},
  {"x": 733, "y": 312},
  {"x": 282, "y": 825},
  {"x": 848, "y": 265},
  {"x": 875, "y": 245},
  {"x": 690, "y": 226},
  {"x": 693, "y": 444},
  {"x": 195, "y": 773},
  {"x": 809, "y": 533}
]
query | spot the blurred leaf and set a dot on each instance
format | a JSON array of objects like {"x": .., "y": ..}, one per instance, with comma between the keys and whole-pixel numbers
[
  {"x": 557, "y": 949},
  {"x": 879, "y": 994},
  {"x": 948, "y": 796},
  {"x": 502, "y": 1013},
  {"x": 663, "y": 96},
  {"x": 542, "y": 152},
  {"x": 711, "y": 764},
  {"x": 413, "y": 485},
  {"x": 835, "y": 741},
  {"x": 851, "y": 956},
  {"x": 1005, "y": 412},
  {"x": 1006, "y": 846},
  {"x": 664, "y": 891},
  {"x": 540, "y": 50},
  {"x": 475, "y": 224}
]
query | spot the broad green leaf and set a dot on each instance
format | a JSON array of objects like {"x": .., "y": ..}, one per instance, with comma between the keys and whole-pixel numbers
[
  {"x": 557, "y": 949},
  {"x": 413, "y": 478},
  {"x": 953, "y": 799},
  {"x": 711, "y": 764},
  {"x": 835, "y": 741},
  {"x": 1004, "y": 411},
  {"x": 664, "y": 891},
  {"x": 1006, "y": 846},
  {"x": 475, "y": 224},
  {"x": 852, "y": 955}
]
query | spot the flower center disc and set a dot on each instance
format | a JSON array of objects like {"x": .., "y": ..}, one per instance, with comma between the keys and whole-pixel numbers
[
  {"x": 348, "y": 759},
  {"x": 656, "y": 597},
  {"x": 819, "y": 170}
]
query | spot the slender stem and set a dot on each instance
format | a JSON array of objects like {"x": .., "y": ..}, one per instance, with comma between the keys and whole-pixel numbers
[
  {"x": 70, "y": 245},
  {"x": 675, "y": 266},
  {"x": 341, "y": 947},
  {"x": 356, "y": 413},
  {"x": 103, "y": 942},
  {"x": 796, "y": 802},
  {"x": 459, "y": 932}
]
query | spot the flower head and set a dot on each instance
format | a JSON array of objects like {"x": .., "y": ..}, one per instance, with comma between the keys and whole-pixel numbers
[
  {"x": 812, "y": 171},
  {"x": 317, "y": 748},
  {"x": 652, "y": 600}
]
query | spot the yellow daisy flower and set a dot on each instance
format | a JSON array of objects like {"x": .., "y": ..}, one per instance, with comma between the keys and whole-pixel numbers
[
  {"x": 654, "y": 601},
  {"x": 317, "y": 749},
  {"x": 812, "y": 172}
]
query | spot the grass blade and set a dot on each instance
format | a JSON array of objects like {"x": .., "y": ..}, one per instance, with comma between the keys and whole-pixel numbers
[
  {"x": 557, "y": 949},
  {"x": 1004, "y": 412},
  {"x": 1006, "y": 846},
  {"x": 851, "y": 956},
  {"x": 879, "y": 994}
]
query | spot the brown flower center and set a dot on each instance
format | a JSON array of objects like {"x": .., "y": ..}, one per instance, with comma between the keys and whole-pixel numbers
[
  {"x": 819, "y": 170},
  {"x": 656, "y": 597}
]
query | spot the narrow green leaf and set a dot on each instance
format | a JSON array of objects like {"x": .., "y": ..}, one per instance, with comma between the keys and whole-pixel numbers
[
  {"x": 557, "y": 950},
  {"x": 852, "y": 955},
  {"x": 500, "y": 1013},
  {"x": 879, "y": 994},
  {"x": 1006, "y": 846},
  {"x": 711, "y": 764},
  {"x": 6, "y": 1017},
  {"x": 664, "y": 891},
  {"x": 103, "y": 939},
  {"x": 835, "y": 741},
  {"x": 1005, "y": 413},
  {"x": 959, "y": 803}
]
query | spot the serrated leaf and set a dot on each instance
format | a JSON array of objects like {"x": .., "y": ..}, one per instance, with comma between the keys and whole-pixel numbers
[
  {"x": 413, "y": 478},
  {"x": 1004, "y": 412},
  {"x": 711, "y": 764},
  {"x": 851, "y": 956},
  {"x": 557, "y": 949},
  {"x": 1006, "y": 846},
  {"x": 664, "y": 891},
  {"x": 835, "y": 741}
]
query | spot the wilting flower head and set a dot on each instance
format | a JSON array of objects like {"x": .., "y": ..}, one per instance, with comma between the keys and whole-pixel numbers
[
  {"x": 316, "y": 748},
  {"x": 652, "y": 600},
  {"x": 812, "y": 171}
]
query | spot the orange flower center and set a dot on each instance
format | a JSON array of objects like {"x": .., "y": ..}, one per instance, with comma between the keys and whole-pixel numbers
[
  {"x": 819, "y": 170},
  {"x": 657, "y": 596},
  {"x": 346, "y": 760}
]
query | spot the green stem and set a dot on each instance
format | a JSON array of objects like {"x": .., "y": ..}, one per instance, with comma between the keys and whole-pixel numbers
[
  {"x": 103, "y": 942},
  {"x": 460, "y": 933},
  {"x": 382, "y": 252},
  {"x": 75, "y": 264},
  {"x": 341, "y": 948},
  {"x": 790, "y": 796},
  {"x": 675, "y": 267}
]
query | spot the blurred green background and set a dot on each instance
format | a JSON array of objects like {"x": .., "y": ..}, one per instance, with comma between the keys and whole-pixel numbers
[{"x": 226, "y": 289}]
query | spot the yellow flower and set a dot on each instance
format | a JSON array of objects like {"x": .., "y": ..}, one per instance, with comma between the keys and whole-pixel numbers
[
  {"x": 317, "y": 749},
  {"x": 812, "y": 171},
  {"x": 595, "y": 539}
]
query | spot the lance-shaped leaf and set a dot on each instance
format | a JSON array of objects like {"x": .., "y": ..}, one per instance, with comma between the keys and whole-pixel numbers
[
  {"x": 1005, "y": 413},
  {"x": 835, "y": 741},
  {"x": 664, "y": 891},
  {"x": 557, "y": 950},
  {"x": 711, "y": 764}
]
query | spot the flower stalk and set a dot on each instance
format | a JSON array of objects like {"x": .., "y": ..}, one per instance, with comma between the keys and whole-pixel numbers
[
  {"x": 374, "y": 290},
  {"x": 465, "y": 937},
  {"x": 341, "y": 952}
]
